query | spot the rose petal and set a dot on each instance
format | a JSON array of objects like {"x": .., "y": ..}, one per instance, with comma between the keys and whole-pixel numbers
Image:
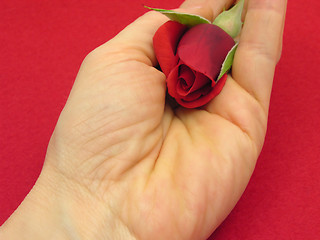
[
  {"x": 185, "y": 81},
  {"x": 204, "y": 48},
  {"x": 203, "y": 88},
  {"x": 187, "y": 74},
  {"x": 194, "y": 83},
  {"x": 182, "y": 81},
  {"x": 165, "y": 43},
  {"x": 200, "y": 81},
  {"x": 193, "y": 96},
  {"x": 200, "y": 101},
  {"x": 172, "y": 80}
]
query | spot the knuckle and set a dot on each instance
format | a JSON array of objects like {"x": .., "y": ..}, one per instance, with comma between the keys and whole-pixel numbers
[{"x": 259, "y": 49}]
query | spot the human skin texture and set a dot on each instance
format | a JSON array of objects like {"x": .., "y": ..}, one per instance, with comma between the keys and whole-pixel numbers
[{"x": 123, "y": 164}]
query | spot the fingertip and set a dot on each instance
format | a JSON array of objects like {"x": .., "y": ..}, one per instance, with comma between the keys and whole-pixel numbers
[{"x": 208, "y": 9}]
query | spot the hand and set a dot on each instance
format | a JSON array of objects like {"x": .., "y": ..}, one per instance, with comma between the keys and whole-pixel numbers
[{"x": 123, "y": 164}]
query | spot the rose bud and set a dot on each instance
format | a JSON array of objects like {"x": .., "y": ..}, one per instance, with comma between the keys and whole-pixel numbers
[{"x": 191, "y": 59}]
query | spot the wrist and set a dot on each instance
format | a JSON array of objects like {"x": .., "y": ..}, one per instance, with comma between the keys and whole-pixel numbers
[
  {"x": 56, "y": 208},
  {"x": 37, "y": 217}
]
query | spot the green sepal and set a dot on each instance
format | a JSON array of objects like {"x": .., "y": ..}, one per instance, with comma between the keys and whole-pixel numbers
[
  {"x": 187, "y": 19},
  {"x": 227, "y": 63},
  {"x": 230, "y": 20}
]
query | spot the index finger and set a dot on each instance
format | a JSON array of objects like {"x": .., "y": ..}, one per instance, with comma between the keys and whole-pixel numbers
[
  {"x": 135, "y": 41},
  {"x": 259, "y": 48}
]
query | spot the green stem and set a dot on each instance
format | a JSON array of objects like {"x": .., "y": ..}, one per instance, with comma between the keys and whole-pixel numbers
[{"x": 230, "y": 21}]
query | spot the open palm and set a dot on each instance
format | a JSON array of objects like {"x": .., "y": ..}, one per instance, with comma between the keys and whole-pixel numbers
[{"x": 133, "y": 166}]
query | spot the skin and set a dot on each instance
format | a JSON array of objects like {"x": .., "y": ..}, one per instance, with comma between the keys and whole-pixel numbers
[{"x": 123, "y": 164}]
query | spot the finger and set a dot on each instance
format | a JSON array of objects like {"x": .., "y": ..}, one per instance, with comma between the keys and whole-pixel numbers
[
  {"x": 281, "y": 42},
  {"x": 135, "y": 41},
  {"x": 244, "y": 12},
  {"x": 210, "y": 9},
  {"x": 259, "y": 48}
]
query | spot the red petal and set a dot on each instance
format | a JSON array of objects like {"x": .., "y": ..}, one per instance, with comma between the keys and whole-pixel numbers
[
  {"x": 172, "y": 80},
  {"x": 204, "y": 48},
  {"x": 202, "y": 100},
  {"x": 165, "y": 43},
  {"x": 192, "y": 85},
  {"x": 200, "y": 81},
  {"x": 185, "y": 81},
  {"x": 187, "y": 74}
]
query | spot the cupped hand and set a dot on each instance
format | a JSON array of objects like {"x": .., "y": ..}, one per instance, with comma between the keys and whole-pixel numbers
[{"x": 124, "y": 164}]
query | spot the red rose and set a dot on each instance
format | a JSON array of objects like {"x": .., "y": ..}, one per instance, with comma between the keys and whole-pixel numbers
[{"x": 191, "y": 59}]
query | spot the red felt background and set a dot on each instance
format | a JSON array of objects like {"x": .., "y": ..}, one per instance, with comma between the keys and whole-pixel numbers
[{"x": 42, "y": 44}]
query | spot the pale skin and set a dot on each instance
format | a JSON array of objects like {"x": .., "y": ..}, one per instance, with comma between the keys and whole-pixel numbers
[{"x": 123, "y": 164}]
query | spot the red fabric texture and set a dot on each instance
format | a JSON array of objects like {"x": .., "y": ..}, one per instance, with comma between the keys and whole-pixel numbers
[
  {"x": 42, "y": 44},
  {"x": 192, "y": 59}
]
